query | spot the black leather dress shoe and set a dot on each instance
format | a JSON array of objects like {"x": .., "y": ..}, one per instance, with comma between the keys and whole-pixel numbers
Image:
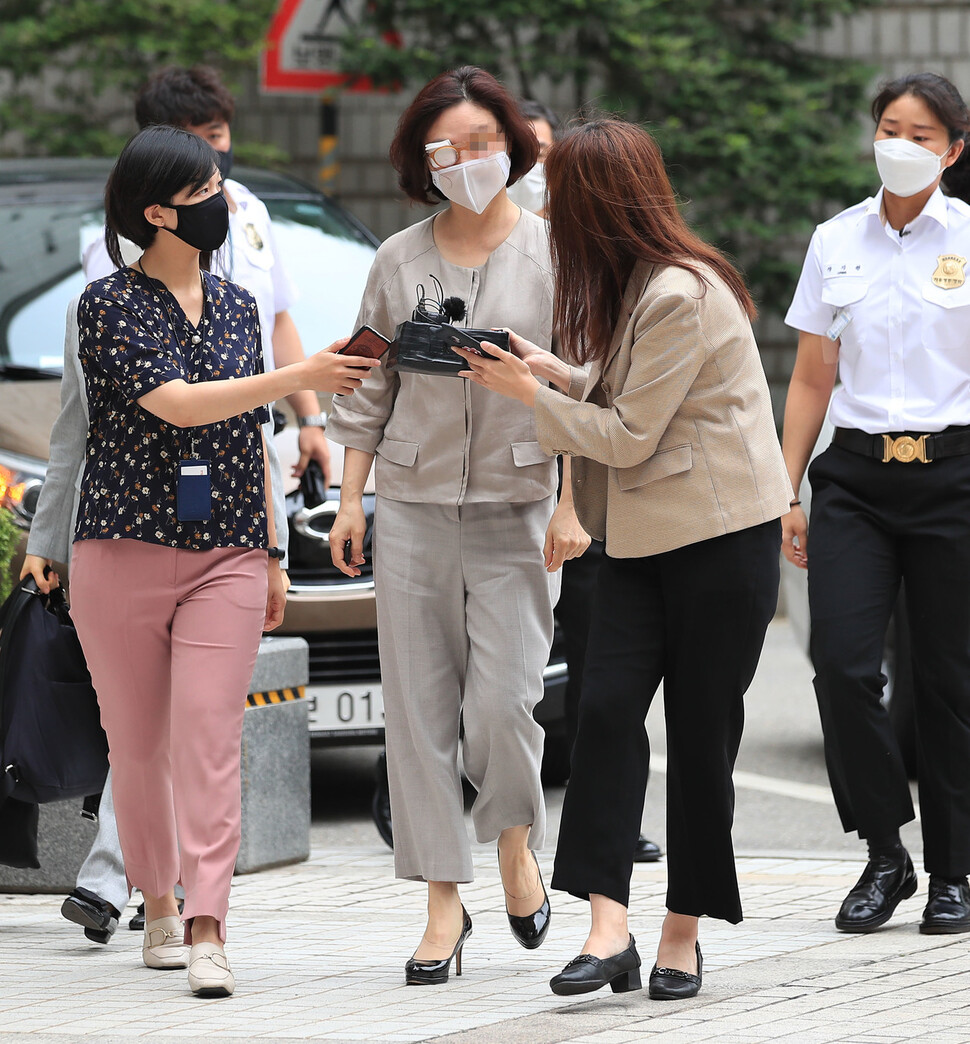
[
  {"x": 885, "y": 883},
  {"x": 645, "y": 851},
  {"x": 948, "y": 911},
  {"x": 97, "y": 917},
  {"x": 137, "y": 922},
  {"x": 587, "y": 973},
  {"x": 380, "y": 807},
  {"x": 530, "y": 931},
  {"x": 674, "y": 984}
]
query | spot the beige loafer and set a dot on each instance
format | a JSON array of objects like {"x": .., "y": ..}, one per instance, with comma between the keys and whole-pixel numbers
[
  {"x": 163, "y": 946},
  {"x": 209, "y": 972}
]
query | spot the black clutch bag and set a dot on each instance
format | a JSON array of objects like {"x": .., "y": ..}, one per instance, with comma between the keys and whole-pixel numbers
[{"x": 426, "y": 347}]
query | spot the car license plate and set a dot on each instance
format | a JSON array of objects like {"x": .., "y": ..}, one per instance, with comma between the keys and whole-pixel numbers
[{"x": 348, "y": 709}]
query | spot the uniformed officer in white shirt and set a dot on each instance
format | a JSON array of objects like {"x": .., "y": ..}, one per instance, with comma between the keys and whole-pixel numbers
[{"x": 884, "y": 302}]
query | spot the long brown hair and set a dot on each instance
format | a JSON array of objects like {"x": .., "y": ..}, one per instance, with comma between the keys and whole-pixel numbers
[{"x": 611, "y": 205}]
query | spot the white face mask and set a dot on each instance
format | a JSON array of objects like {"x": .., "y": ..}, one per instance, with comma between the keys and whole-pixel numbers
[
  {"x": 529, "y": 192},
  {"x": 905, "y": 167},
  {"x": 474, "y": 183}
]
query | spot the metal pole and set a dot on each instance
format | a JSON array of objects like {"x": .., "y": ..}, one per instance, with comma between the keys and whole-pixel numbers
[{"x": 329, "y": 165}]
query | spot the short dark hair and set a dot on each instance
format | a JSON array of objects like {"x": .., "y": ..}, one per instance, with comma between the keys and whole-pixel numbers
[
  {"x": 467, "y": 83},
  {"x": 534, "y": 110},
  {"x": 184, "y": 98},
  {"x": 947, "y": 104},
  {"x": 155, "y": 165}
]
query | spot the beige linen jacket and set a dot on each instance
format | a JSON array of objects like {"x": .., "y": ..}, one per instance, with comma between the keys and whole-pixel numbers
[
  {"x": 445, "y": 440},
  {"x": 673, "y": 434}
]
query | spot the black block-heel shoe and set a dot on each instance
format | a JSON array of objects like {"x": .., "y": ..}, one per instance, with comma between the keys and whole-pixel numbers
[
  {"x": 587, "y": 973},
  {"x": 673, "y": 984},
  {"x": 530, "y": 931},
  {"x": 431, "y": 973}
]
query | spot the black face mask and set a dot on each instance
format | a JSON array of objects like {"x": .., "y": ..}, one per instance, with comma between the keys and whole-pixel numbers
[
  {"x": 202, "y": 225},
  {"x": 224, "y": 161}
]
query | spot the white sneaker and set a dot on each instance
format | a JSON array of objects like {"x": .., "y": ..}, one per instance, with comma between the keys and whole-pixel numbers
[
  {"x": 163, "y": 946},
  {"x": 209, "y": 972}
]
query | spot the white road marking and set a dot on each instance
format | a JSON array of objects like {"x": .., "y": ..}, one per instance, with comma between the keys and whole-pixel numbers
[{"x": 770, "y": 785}]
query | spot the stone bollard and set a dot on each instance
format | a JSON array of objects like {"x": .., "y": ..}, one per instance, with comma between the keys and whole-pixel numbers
[
  {"x": 276, "y": 759},
  {"x": 275, "y": 774}
]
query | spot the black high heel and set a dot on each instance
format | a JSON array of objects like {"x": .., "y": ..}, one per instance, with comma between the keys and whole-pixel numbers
[
  {"x": 673, "y": 984},
  {"x": 529, "y": 931},
  {"x": 431, "y": 973},
  {"x": 587, "y": 973}
]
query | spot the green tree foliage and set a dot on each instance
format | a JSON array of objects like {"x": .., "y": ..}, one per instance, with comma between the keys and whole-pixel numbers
[
  {"x": 761, "y": 134},
  {"x": 86, "y": 48}
]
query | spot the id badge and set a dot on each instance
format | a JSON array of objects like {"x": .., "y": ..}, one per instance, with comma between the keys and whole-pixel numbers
[
  {"x": 840, "y": 321},
  {"x": 193, "y": 499}
]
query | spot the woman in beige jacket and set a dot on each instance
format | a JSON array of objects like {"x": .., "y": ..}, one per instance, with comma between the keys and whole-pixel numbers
[
  {"x": 677, "y": 465},
  {"x": 468, "y": 536}
]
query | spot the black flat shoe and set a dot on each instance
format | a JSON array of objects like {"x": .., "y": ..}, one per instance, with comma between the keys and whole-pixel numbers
[
  {"x": 97, "y": 916},
  {"x": 884, "y": 884},
  {"x": 431, "y": 973},
  {"x": 587, "y": 973},
  {"x": 646, "y": 851},
  {"x": 948, "y": 911},
  {"x": 673, "y": 984},
  {"x": 530, "y": 931}
]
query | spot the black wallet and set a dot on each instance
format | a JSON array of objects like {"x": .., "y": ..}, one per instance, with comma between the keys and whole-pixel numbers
[{"x": 426, "y": 347}]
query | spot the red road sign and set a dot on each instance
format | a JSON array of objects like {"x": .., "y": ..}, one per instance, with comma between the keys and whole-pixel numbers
[{"x": 302, "y": 49}]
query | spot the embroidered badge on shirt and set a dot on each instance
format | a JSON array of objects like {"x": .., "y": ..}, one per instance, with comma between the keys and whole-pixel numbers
[
  {"x": 253, "y": 238},
  {"x": 949, "y": 272}
]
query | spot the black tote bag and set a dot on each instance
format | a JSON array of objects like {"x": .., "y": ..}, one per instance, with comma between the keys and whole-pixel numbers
[{"x": 52, "y": 745}]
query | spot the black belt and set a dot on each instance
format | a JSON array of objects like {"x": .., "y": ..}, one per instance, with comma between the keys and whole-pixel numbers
[{"x": 905, "y": 446}]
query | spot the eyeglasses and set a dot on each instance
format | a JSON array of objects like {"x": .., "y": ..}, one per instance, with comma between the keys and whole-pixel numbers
[{"x": 448, "y": 153}]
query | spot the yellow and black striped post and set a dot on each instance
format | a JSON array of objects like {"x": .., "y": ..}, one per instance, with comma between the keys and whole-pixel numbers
[
  {"x": 266, "y": 699},
  {"x": 329, "y": 164}
]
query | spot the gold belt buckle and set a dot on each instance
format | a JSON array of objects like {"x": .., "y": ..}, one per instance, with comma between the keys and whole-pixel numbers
[{"x": 905, "y": 449}]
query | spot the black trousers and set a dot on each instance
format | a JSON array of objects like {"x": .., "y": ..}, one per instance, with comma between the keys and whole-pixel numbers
[
  {"x": 574, "y": 610},
  {"x": 873, "y": 525},
  {"x": 694, "y": 618}
]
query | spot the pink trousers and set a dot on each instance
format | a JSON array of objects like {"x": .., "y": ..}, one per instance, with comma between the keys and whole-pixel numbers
[{"x": 171, "y": 637}]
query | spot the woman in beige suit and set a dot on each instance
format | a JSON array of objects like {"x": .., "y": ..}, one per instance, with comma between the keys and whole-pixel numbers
[
  {"x": 468, "y": 534},
  {"x": 677, "y": 464}
]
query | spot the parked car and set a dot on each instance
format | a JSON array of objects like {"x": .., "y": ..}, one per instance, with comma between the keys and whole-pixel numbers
[
  {"x": 897, "y": 665},
  {"x": 49, "y": 209}
]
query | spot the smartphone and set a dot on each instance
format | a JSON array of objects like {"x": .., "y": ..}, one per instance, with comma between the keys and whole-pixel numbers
[
  {"x": 366, "y": 342},
  {"x": 460, "y": 338}
]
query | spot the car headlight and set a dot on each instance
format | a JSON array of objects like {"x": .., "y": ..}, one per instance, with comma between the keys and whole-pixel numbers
[{"x": 21, "y": 479}]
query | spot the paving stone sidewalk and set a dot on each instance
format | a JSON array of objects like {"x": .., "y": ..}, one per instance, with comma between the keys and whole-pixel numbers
[{"x": 318, "y": 951}]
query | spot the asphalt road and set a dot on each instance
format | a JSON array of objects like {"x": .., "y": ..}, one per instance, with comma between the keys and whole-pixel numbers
[{"x": 783, "y": 799}]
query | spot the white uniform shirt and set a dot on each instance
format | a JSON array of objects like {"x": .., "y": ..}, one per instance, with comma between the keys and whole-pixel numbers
[
  {"x": 249, "y": 258},
  {"x": 904, "y": 358}
]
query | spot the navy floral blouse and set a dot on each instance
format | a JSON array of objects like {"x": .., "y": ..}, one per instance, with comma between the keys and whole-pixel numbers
[{"x": 134, "y": 337}]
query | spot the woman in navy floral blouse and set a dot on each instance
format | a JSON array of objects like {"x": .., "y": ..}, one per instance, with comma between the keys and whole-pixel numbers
[{"x": 172, "y": 576}]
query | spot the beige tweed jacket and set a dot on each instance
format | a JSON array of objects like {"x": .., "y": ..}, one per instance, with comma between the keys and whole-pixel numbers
[{"x": 673, "y": 432}]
